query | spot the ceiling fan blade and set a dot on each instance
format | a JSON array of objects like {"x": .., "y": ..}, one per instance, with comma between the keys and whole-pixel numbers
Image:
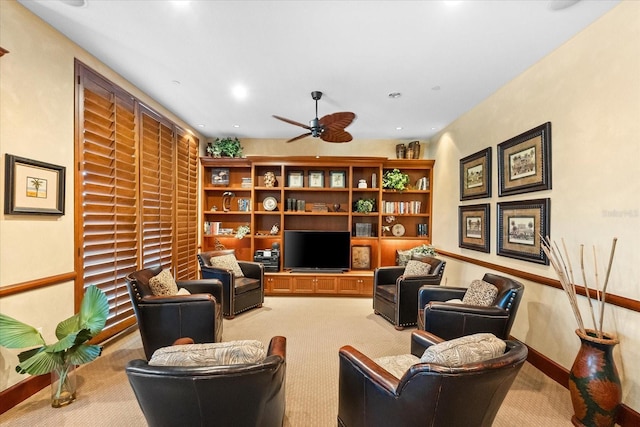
[
  {"x": 292, "y": 122},
  {"x": 337, "y": 121},
  {"x": 335, "y": 135},
  {"x": 304, "y": 135}
]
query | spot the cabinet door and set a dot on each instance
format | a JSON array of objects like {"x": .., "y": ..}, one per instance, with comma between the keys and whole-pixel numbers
[
  {"x": 304, "y": 284},
  {"x": 279, "y": 284},
  {"x": 349, "y": 285},
  {"x": 325, "y": 285}
]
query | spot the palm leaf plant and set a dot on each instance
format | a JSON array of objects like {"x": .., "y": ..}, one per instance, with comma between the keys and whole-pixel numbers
[{"x": 71, "y": 349}]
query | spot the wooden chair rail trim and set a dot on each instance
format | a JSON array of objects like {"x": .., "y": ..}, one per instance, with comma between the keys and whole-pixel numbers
[
  {"x": 617, "y": 300},
  {"x": 38, "y": 283}
]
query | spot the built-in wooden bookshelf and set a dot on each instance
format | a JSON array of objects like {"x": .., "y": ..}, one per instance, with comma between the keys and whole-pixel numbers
[{"x": 325, "y": 190}]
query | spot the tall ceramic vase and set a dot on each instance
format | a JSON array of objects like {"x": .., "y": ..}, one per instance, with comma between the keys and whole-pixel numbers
[{"x": 594, "y": 383}]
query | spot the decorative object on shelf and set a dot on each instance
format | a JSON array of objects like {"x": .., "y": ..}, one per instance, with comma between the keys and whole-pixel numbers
[
  {"x": 32, "y": 187},
  {"x": 336, "y": 207},
  {"x": 374, "y": 180},
  {"x": 475, "y": 175},
  {"x": 60, "y": 358},
  {"x": 362, "y": 183},
  {"x": 363, "y": 229},
  {"x": 422, "y": 229},
  {"x": 401, "y": 151},
  {"x": 275, "y": 229},
  {"x": 474, "y": 227},
  {"x": 227, "y": 196},
  {"x": 389, "y": 219},
  {"x": 413, "y": 150},
  {"x": 398, "y": 230},
  {"x": 524, "y": 162},
  {"x": 395, "y": 180},
  {"x": 520, "y": 227},
  {"x": 594, "y": 383},
  {"x": 242, "y": 231},
  {"x": 269, "y": 179},
  {"x": 295, "y": 179},
  {"x": 337, "y": 179},
  {"x": 270, "y": 203},
  {"x": 422, "y": 183},
  {"x": 220, "y": 176},
  {"x": 364, "y": 205},
  {"x": 361, "y": 257},
  {"x": 316, "y": 179},
  {"x": 225, "y": 147}
]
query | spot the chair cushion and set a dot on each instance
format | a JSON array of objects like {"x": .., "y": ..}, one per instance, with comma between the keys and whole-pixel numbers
[
  {"x": 163, "y": 284},
  {"x": 183, "y": 291},
  {"x": 227, "y": 262},
  {"x": 402, "y": 257},
  {"x": 245, "y": 284},
  {"x": 480, "y": 293},
  {"x": 213, "y": 354},
  {"x": 468, "y": 349},
  {"x": 387, "y": 292},
  {"x": 416, "y": 268},
  {"x": 397, "y": 365}
]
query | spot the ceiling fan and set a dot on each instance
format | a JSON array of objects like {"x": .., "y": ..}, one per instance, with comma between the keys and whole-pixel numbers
[{"x": 330, "y": 128}]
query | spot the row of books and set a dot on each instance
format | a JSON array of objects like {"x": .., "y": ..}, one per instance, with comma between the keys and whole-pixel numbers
[{"x": 407, "y": 207}]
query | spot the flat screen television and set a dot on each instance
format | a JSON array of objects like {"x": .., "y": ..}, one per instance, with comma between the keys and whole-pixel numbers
[{"x": 317, "y": 251}]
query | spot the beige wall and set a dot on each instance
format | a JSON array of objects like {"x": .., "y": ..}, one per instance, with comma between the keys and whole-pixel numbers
[
  {"x": 590, "y": 90},
  {"x": 37, "y": 122}
]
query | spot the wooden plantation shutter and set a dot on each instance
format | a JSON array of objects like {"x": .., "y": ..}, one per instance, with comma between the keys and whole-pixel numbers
[
  {"x": 186, "y": 229},
  {"x": 156, "y": 181},
  {"x": 106, "y": 190}
]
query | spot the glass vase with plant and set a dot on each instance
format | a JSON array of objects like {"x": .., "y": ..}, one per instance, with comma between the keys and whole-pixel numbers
[{"x": 61, "y": 357}]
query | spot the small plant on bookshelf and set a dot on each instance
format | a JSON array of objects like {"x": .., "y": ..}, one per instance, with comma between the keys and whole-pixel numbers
[{"x": 395, "y": 180}]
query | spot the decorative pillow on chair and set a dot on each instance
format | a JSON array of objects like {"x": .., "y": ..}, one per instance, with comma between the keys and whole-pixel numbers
[
  {"x": 397, "y": 365},
  {"x": 402, "y": 257},
  {"x": 468, "y": 349},
  {"x": 163, "y": 284},
  {"x": 213, "y": 354},
  {"x": 227, "y": 262},
  {"x": 480, "y": 293},
  {"x": 416, "y": 268}
]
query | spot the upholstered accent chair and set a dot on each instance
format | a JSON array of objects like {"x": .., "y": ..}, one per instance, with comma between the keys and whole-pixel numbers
[
  {"x": 164, "y": 318},
  {"x": 449, "y": 319},
  {"x": 427, "y": 393},
  {"x": 242, "y": 281},
  {"x": 395, "y": 290},
  {"x": 228, "y": 394}
]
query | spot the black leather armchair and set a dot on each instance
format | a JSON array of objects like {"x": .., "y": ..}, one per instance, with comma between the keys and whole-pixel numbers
[
  {"x": 449, "y": 320},
  {"x": 427, "y": 394},
  {"x": 163, "y": 319},
  {"x": 231, "y": 395},
  {"x": 395, "y": 297},
  {"x": 239, "y": 293}
]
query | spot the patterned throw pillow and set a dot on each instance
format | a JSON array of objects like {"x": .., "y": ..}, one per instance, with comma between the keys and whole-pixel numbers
[
  {"x": 416, "y": 268},
  {"x": 402, "y": 257},
  {"x": 163, "y": 284},
  {"x": 214, "y": 354},
  {"x": 468, "y": 349},
  {"x": 397, "y": 365},
  {"x": 227, "y": 262},
  {"x": 480, "y": 293}
]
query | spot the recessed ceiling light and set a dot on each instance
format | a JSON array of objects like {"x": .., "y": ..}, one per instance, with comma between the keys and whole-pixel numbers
[
  {"x": 399, "y": 128},
  {"x": 239, "y": 92},
  {"x": 201, "y": 125},
  {"x": 435, "y": 88},
  {"x": 176, "y": 82},
  {"x": 394, "y": 95},
  {"x": 561, "y": 4},
  {"x": 75, "y": 3},
  {"x": 236, "y": 126}
]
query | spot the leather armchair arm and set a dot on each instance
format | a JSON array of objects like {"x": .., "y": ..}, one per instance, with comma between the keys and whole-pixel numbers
[
  {"x": 354, "y": 364},
  {"x": 251, "y": 269},
  {"x": 421, "y": 340},
  {"x": 427, "y": 294},
  {"x": 278, "y": 347},
  {"x": 387, "y": 275},
  {"x": 491, "y": 311},
  {"x": 208, "y": 286},
  {"x": 151, "y": 300}
]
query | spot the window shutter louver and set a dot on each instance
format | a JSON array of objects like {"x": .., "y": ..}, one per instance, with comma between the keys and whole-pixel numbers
[{"x": 186, "y": 207}]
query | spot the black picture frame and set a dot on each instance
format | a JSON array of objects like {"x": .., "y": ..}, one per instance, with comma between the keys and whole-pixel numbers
[
  {"x": 316, "y": 179},
  {"x": 32, "y": 187},
  {"x": 337, "y": 179},
  {"x": 220, "y": 177},
  {"x": 520, "y": 227},
  {"x": 475, "y": 175},
  {"x": 524, "y": 162},
  {"x": 474, "y": 227}
]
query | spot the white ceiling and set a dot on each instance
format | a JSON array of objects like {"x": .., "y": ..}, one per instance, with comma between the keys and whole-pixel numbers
[{"x": 444, "y": 57}]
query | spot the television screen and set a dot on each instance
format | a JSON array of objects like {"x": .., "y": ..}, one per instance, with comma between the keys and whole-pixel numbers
[{"x": 312, "y": 250}]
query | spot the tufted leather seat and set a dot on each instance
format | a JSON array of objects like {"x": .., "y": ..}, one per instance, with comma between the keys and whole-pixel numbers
[{"x": 449, "y": 320}]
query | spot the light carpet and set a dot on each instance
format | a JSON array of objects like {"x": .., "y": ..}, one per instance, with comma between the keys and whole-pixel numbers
[{"x": 315, "y": 328}]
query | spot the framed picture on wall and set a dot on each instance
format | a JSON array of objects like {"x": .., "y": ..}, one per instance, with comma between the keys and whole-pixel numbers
[
  {"x": 475, "y": 175},
  {"x": 361, "y": 257},
  {"x": 316, "y": 179},
  {"x": 524, "y": 162},
  {"x": 474, "y": 227},
  {"x": 32, "y": 187},
  {"x": 295, "y": 179},
  {"x": 520, "y": 227}
]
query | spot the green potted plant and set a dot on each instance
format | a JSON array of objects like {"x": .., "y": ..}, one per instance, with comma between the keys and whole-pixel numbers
[
  {"x": 365, "y": 205},
  {"x": 59, "y": 358},
  {"x": 225, "y": 147},
  {"x": 395, "y": 180},
  {"x": 424, "y": 251}
]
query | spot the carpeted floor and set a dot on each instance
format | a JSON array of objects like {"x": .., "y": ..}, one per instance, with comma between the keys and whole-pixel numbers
[{"x": 315, "y": 329}]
